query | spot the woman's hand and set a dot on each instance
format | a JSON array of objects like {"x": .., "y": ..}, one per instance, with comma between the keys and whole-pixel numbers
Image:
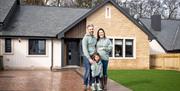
[{"x": 91, "y": 61}]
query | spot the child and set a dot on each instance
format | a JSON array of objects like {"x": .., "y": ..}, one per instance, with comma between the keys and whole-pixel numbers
[{"x": 96, "y": 71}]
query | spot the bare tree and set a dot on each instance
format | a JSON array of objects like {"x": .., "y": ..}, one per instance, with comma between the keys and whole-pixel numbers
[
  {"x": 145, "y": 8},
  {"x": 171, "y": 7},
  {"x": 84, "y": 3},
  {"x": 152, "y": 7},
  {"x": 33, "y": 2},
  {"x": 96, "y": 2},
  {"x": 142, "y": 8},
  {"x": 137, "y": 7}
]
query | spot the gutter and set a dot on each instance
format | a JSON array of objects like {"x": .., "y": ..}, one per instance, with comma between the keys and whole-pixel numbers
[{"x": 14, "y": 36}]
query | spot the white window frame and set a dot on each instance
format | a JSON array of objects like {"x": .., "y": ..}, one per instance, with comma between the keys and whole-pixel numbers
[
  {"x": 123, "y": 38},
  {"x": 12, "y": 47},
  {"x": 107, "y": 12},
  {"x": 36, "y": 55}
]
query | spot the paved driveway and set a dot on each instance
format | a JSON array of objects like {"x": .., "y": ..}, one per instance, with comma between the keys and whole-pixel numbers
[
  {"x": 40, "y": 81},
  {"x": 63, "y": 80}
]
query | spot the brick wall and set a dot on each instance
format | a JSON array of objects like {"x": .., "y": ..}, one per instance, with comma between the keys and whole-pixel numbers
[{"x": 120, "y": 26}]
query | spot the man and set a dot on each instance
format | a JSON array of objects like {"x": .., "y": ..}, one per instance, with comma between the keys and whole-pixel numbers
[{"x": 88, "y": 45}]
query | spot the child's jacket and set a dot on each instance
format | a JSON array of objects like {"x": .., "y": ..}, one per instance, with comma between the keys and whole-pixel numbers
[{"x": 97, "y": 69}]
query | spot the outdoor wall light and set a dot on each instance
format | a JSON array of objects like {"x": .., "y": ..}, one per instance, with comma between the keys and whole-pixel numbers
[{"x": 19, "y": 39}]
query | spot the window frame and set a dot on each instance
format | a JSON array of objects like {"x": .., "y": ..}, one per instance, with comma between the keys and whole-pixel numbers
[
  {"x": 107, "y": 12},
  {"x": 127, "y": 45},
  {"x": 36, "y": 54},
  {"x": 114, "y": 44},
  {"x": 12, "y": 49},
  {"x": 124, "y": 56}
]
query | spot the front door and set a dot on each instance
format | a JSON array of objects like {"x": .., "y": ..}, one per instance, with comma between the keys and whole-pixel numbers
[{"x": 73, "y": 54}]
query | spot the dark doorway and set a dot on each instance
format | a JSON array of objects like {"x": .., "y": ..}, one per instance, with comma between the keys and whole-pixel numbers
[{"x": 73, "y": 52}]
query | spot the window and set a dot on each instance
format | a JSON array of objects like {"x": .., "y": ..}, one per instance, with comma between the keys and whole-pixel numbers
[
  {"x": 37, "y": 47},
  {"x": 110, "y": 53},
  {"x": 129, "y": 48},
  {"x": 118, "y": 48},
  {"x": 108, "y": 12},
  {"x": 123, "y": 48},
  {"x": 8, "y": 45}
]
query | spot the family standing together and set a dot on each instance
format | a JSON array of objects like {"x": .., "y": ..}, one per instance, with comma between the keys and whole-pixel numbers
[{"x": 95, "y": 60}]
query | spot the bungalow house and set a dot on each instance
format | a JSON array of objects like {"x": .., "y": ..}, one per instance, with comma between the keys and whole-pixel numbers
[
  {"x": 43, "y": 37},
  {"x": 167, "y": 33}
]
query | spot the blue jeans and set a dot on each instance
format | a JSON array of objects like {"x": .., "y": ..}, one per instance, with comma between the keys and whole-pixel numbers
[
  {"x": 105, "y": 67},
  {"x": 87, "y": 71},
  {"x": 96, "y": 79}
]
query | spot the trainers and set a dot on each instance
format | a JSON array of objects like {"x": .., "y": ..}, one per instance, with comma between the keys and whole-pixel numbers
[
  {"x": 98, "y": 87},
  {"x": 93, "y": 87}
]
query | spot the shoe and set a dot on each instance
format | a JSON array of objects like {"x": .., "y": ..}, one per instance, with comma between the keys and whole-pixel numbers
[
  {"x": 105, "y": 83},
  {"x": 102, "y": 82},
  {"x": 98, "y": 87},
  {"x": 93, "y": 87},
  {"x": 85, "y": 88}
]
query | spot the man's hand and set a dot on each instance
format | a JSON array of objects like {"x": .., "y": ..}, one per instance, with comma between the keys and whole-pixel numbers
[
  {"x": 91, "y": 61},
  {"x": 101, "y": 48}
]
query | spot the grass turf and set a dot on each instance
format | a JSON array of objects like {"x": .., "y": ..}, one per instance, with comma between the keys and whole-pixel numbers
[{"x": 147, "y": 80}]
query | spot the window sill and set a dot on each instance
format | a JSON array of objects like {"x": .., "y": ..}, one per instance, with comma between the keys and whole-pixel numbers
[
  {"x": 37, "y": 55},
  {"x": 11, "y": 53},
  {"x": 111, "y": 58}
]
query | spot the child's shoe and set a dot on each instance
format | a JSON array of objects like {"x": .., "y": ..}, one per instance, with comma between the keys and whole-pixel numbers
[
  {"x": 93, "y": 87},
  {"x": 98, "y": 87}
]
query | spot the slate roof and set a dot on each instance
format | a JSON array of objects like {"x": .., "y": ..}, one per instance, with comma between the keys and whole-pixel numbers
[
  {"x": 169, "y": 36},
  {"x": 42, "y": 21},
  {"x": 5, "y": 7},
  {"x": 45, "y": 21}
]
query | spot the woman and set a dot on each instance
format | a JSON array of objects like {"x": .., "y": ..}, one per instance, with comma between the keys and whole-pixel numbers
[{"x": 104, "y": 47}]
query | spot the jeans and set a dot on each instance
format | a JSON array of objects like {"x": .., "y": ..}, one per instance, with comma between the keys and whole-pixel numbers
[
  {"x": 96, "y": 79},
  {"x": 105, "y": 67},
  {"x": 87, "y": 71}
]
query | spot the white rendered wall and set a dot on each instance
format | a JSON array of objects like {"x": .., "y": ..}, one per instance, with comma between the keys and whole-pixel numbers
[
  {"x": 56, "y": 54},
  {"x": 155, "y": 47},
  {"x": 19, "y": 58}
]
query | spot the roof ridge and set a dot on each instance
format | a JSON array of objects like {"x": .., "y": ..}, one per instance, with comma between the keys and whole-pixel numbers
[{"x": 54, "y": 6}]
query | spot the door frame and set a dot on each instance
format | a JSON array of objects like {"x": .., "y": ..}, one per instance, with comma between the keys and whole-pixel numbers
[{"x": 65, "y": 50}]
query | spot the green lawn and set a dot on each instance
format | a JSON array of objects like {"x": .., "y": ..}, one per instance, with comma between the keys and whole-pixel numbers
[{"x": 147, "y": 80}]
